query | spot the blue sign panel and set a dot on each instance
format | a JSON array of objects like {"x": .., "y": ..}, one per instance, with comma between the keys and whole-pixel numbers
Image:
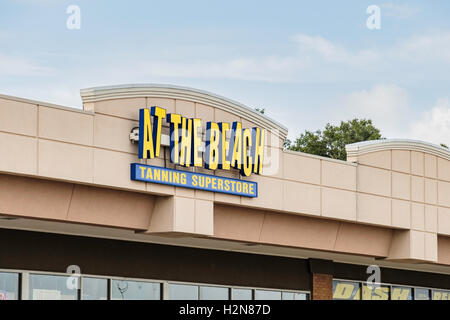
[{"x": 193, "y": 180}]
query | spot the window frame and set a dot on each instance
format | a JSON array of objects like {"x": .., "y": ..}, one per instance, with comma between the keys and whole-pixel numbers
[
  {"x": 390, "y": 285},
  {"x": 19, "y": 281},
  {"x": 24, "y": 282}
]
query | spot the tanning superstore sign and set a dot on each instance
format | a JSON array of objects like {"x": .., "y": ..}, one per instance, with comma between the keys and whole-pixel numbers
[{"x": 227, "y": 146}]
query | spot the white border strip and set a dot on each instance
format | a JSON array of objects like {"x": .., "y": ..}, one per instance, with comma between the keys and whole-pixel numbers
[
  {"x": 360, "y": 148},
  {"x": 95, "y": 94}
]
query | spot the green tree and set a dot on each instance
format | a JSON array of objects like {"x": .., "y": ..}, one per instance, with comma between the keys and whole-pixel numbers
[
  {"x": 443, "y": 145},
  {"x": 332, "y": 140}
]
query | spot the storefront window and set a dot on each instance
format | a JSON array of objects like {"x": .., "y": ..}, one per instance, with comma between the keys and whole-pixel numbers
[
  {"x": 441, "y": 295},
  {"x": 267, "y": 295},
  {"x": 135, "y": 290},
  {"x": 213, "y": 293},
  {"x": 48, "y": 287},
  {"x": 375, "y": 292},
  {"x": 241, "y": 294},
  {"x": 346, "y": 290},
  {"x": 294, "y": 296},
  {"x": 421, "y": 294},
  {"x": 94, "y": 289},
  {"x": 9, "y": 286},
  {"x": 183, "y": 292},
  {"x": 401, "y": 293}
]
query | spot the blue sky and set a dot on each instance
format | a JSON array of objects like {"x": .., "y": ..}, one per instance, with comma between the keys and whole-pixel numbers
[{"x": 306, "y": 62}]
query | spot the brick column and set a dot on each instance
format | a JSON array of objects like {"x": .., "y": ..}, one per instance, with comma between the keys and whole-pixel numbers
[
  {"x": 321, "y": 279},
  {"x": 322, "y": 285}
]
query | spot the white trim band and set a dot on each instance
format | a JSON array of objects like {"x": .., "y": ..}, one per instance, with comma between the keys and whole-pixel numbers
[
  {"x": 176, "y": 92},
  {"x": 360, "y": 148}
]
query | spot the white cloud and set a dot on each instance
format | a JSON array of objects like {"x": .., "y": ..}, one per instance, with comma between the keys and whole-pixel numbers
[
  {"x": 428, "y": 48},
  {"x": 385, "y": 104},
  {"x": 296, "y": 66},
  {"x": 319, "y": 45},
  {"x": 316, "y": 59},
  {"x": 399, "y": 10},
  {"x": 270, "y": 69},
  {"x": 16, "y": 66},
  {"x": 55, "y": 93},
  {"x": 390, "y": 109},
  {"x": 61, "y": 95},
  {"x": 332, "y": 52},
  {"x": 4, "y": 35},
  {"x": 39, "y": 2},
  {"x": 435, "y": 124}
]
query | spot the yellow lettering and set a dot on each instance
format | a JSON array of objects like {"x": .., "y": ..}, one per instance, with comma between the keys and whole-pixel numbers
[
  {"x": 400, "y": 293},
  {"x": 224, "y": 146},
  {"x": 142, "y": 171},
  {"x": 158, "y": 115},
  {"x": 165, "y": 176},
  {"x": 236, "y": 145},
  {"x": 382, "y": 293},
  {"x": 157, "y": 175},
  {"x": 251, "y": 191},
  {"x": 201, "y": 182},
  {"x": 258, "y": 149},
  {"x": 175, "y": 121},
  {"x": 376, "y": 293},
  {"x": 208, "y": 182},
  {"x": 245, "y": 188},
  {"x": 146, "y": 150},
  {"x": 343, "y": 291},
  {"x": 149, "y": 174},
  {"x": 212, "y": 145},
  {"x": 246, "y": 168},
  {"x": 196, "y": 159},
  {"x": 186, "y": 140},
  {"x": 176, "y": 177},
  {"x": 357, "y": 294}
]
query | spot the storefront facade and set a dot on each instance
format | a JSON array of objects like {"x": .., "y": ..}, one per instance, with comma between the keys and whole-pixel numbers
[{"x": 80, "y": 189}]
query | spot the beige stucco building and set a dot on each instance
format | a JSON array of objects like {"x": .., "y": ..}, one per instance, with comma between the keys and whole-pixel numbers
[{"x": 66, "y": 199}]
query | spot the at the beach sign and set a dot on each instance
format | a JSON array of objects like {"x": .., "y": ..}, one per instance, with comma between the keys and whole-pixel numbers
[{"x": 226, "y": 147}]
